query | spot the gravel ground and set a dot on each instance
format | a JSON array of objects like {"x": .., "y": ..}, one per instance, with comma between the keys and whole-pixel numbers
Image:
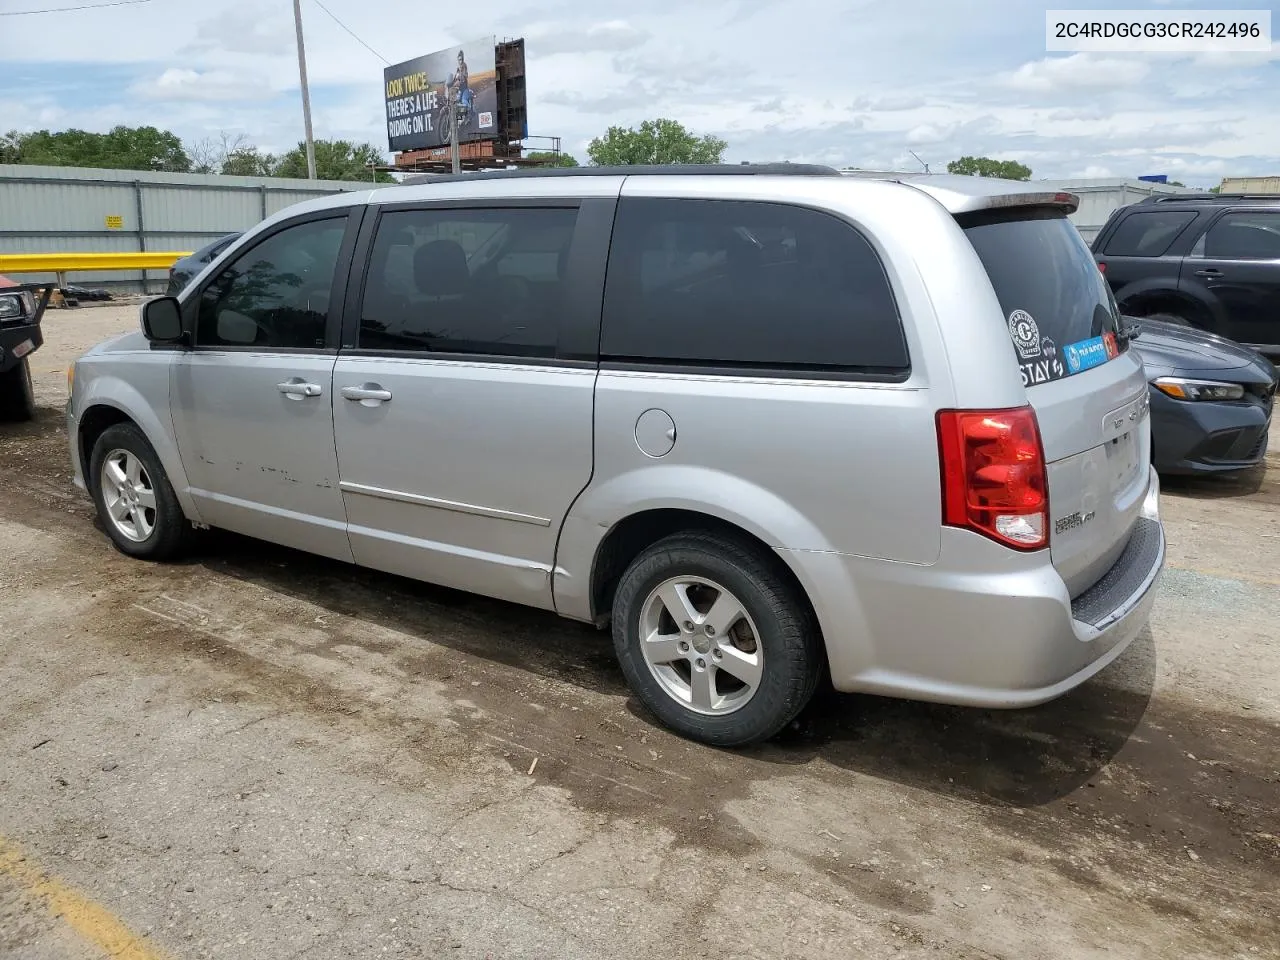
[{"x": 257, "y": 753}]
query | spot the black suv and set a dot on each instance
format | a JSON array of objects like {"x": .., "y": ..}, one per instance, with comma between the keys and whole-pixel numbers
[{"x": 1205, "y": 260}]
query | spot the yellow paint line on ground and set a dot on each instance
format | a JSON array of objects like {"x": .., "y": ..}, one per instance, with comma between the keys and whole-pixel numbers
[
  {"x": 1227, "y": 575},
  {"x": 91, "y": 921}
]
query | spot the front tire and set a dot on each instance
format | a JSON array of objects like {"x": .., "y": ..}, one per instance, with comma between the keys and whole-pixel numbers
[
  {"x": 135, "y": 500},
  {"x": 17, "y": 394},
  {"x": 714, "y": 640}
]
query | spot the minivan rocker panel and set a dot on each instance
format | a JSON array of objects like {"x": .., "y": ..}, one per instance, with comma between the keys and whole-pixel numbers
[{"x": 761, "y": 421}]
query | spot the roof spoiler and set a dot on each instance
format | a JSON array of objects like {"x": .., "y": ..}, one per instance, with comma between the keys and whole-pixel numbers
[
  {"x": 1067, "y": 201},
  {"x": 962, "y": 194}
]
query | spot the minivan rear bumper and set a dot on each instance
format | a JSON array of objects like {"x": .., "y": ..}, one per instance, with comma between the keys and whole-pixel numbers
[{"x": 984, "y": 626}]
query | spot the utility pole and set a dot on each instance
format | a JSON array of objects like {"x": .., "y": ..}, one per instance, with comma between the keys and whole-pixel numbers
[{"x": 306, "y": 94}]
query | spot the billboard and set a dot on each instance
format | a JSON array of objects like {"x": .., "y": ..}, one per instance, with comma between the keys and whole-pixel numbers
[{"x": 417, "y": 97}]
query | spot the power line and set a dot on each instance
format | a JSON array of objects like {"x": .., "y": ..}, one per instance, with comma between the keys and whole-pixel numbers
[
  {"x": 85, "y": 6},
  {"x": 352, "y": 32}
]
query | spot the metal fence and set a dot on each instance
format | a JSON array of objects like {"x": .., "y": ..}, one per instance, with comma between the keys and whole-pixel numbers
[{"x": 82, "y": 210}]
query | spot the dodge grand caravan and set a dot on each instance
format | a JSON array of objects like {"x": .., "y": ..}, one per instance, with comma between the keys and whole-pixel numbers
[{"x": 769, "y": 424}]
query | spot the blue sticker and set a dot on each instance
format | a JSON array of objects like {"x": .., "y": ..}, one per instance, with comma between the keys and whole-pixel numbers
[{"x": 1085, "y": 354}]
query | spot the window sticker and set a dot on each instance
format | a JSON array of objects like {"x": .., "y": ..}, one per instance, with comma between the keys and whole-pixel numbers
[
  {"x": 1025, "y": 333},
  {"x": 1038, "y": 359},
  {"x": 1087, "y": 354}
]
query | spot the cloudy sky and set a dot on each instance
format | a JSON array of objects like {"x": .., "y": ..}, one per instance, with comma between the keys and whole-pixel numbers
[{"x": 848, "y": 82}]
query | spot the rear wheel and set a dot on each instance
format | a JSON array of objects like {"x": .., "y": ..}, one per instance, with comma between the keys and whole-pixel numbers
[
  {"x": 714, "y": 641},
  {"x": 135, "y": 500},
  {"x": 444, "y": 123},
  {"x": 17, "y": 395}
]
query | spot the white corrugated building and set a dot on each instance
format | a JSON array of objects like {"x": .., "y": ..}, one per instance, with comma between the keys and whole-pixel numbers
[{"x": 90, "y": 210}]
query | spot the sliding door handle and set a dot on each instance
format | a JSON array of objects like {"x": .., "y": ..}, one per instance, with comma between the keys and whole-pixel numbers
[
  {"x": 296, "y": 388},
  {"x": 370, "y": 394}
]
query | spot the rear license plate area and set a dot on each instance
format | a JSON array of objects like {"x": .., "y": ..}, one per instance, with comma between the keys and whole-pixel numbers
[{"x": 1122, "y": 459}]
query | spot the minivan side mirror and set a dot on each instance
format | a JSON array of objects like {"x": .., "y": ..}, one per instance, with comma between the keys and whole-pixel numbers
[{"x": 162, "y": 321}]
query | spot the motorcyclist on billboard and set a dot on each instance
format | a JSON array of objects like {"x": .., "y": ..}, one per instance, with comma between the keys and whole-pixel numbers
[{"x": 458, "y": 81}]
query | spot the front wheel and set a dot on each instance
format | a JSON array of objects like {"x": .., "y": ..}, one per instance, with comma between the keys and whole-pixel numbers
[
  {"x": 135, "y": 500},
  {"x": 714, "y": 641},
  {"x": 17, "y": 395}
]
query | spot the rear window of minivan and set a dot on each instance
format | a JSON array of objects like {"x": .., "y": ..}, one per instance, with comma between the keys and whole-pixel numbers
[{"x": 1061, "y": 315}]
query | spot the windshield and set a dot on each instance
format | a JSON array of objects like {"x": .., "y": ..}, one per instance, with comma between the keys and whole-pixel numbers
[{"x": 1061, "y": 315}]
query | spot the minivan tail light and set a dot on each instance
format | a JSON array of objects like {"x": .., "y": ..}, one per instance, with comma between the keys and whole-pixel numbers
[{"x": 994, "y": 478}]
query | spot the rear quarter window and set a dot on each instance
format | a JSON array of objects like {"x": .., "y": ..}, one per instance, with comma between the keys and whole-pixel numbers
[
  {"x": 1143, "y": 234},
  {"x": 1061, "y": 315},
  {"x": 734, "y": 284}
]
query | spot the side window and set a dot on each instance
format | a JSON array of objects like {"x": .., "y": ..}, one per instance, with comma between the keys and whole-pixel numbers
[
  {"x": 485, "y": 281},
  {"x": 276, "y": 294},
  {"x": 1148, "y": 234},
  {"x": 732, "y": 283},
  {"x": 1244, "y": 236}
]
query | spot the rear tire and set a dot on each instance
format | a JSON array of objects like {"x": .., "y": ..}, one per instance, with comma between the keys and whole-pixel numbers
[
  {"x": 742, "y": 659},
  {"x": 135, "y": 501},
  {"x": 17, "y": 394}
]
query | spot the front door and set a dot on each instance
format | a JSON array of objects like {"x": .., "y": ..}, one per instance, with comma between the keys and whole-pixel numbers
[
  {"x": 1238, "y": 262},
  {"x": 463, "y": 433},
  {"x": 252, "y": 400}
]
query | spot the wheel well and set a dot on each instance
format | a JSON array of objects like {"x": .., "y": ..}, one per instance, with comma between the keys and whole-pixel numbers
[
  {"x": 628, "y": 538},
  {"x": 1145, "y": 304},
  {"x": 93, "y": 423}
]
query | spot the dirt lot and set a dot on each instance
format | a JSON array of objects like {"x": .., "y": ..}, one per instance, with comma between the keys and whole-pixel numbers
[{"x": 264, "y": 755}]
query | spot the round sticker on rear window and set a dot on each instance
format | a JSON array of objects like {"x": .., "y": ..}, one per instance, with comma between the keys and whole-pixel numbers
[{"x": 1025, "y": 334}]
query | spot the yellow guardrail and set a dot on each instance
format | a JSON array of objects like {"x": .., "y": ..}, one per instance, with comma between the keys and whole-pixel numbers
[{"x": 62, "y": 263}]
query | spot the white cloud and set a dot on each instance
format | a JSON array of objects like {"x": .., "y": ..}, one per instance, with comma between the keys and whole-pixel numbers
[
  {"x": 1068, "y": 114},
  {"x": 927, "y": 133},
  {"x": 1238, "y": 61},
  {"x": 1079, "y": 71},
  {"x": 176, "y": 83},
  {"x": 549, "y": 39},
  {"x": 245, "y": 28}
]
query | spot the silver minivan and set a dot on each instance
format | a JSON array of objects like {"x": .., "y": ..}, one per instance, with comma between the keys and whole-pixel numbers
[{"x": 770, "y": 424}]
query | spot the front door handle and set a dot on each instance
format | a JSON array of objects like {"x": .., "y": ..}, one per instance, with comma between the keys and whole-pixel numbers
[
  {"x": 1208, "y": 272},
  {"x": 295, "y": 388},
  {"x": 368, "y": 394}
]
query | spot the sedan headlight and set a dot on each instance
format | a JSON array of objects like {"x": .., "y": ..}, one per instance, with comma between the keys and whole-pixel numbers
[{"x": 1180, "y": 388}]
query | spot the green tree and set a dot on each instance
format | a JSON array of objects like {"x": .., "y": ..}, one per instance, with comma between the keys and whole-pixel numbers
[
  {"x": 11, "y": 147},
  {"x": 121, "y": 148},
  {"x": 986, "y": 167},
  {"x": 549, "y": 158},
  {"x": 1217, "y": 189},
  {"x": 210, "y": 154},
  {"x": 656, "y": 141},
  {"x": 335, "y": 160},
  {"x": 250, "y": 162}
]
